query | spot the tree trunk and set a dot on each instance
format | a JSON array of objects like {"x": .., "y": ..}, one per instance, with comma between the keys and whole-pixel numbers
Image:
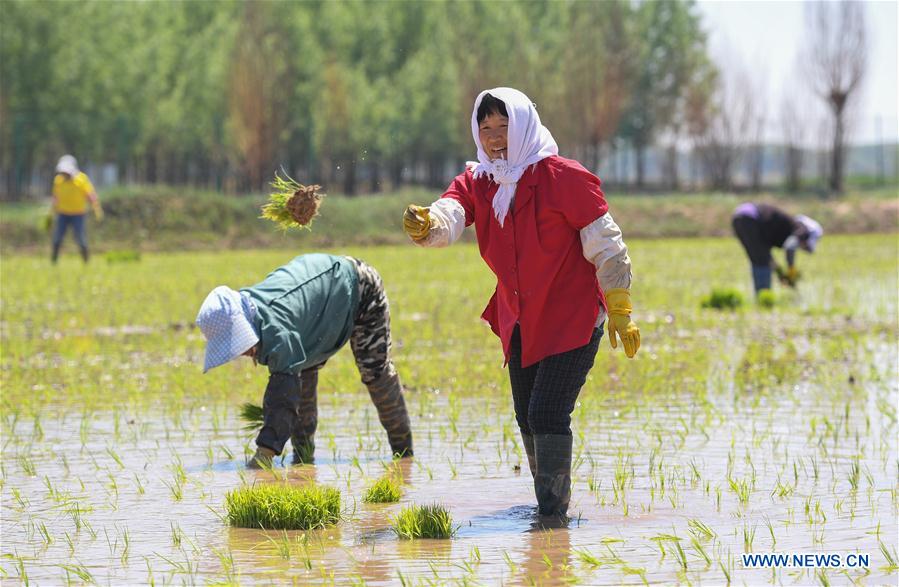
[
  {"x": 640, "y": 160},
  {"x": 794, "y": 168},
  {"x": 396, "y": 173},
  {"x": 349, "y": 179},
  {"x": 756, "y": 169},
  {"x": 671, "y": 168},
  {"x": 375, "y": 177},
  {"x": 837, "y": 157}
]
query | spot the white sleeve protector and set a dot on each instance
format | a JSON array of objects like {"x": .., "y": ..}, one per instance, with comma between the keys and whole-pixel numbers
[
  {"x": 447, "y": 223},
  {"x": 604, "y": 247}
]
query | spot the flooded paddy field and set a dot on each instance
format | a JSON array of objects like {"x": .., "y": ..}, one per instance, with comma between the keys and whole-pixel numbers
[{"x": 756, "y": 430}]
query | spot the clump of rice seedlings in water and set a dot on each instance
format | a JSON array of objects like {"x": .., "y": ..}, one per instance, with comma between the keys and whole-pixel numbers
[
  {"x": 426, "y": 521},
  {"x": 384, "y": 490},
  {"x": 283, "y": 507},
  {"x": 766, "y": 299},
  {"x": 123, "y": 256},
  {"x": 292, "y": 204},
  {"x": 251, "y": 414},
  {"x": 723, "y": 299}
]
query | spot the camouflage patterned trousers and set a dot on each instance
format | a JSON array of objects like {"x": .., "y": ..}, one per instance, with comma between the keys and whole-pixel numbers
[{"x": 370, "y": 342}]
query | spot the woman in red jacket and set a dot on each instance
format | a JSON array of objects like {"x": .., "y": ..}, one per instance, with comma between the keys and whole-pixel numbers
[{"x": 561, "y": 266}]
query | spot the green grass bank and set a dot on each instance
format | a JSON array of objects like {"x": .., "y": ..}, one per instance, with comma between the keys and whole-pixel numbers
[{"x": 162, "y": 218}]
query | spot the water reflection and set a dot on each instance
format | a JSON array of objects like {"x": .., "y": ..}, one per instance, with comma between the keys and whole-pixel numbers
[{"x": 546, "y": 559}]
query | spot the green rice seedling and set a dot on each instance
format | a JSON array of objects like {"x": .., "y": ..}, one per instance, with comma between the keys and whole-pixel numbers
[
  {"x": 28, "y": 465},
  {"x": 45, "y": 534},
  {"x": 723, "y": 299},
  {"x": 292, "y": 204},
  {"x": 509, "y": 562},
  {"x": 697, "y": 546},
  {"x": 226, "y": 559},
  {"x": 701, "y": 530},
  {"x": 176, "y": 488},
  {"x": 427, "y": 521},
  {"x": 282, "y": 545},
  {"x": 177, "y": 534},
  {"x": 725, "y": 571},
  {"x": 586, "y": 557},
  {"x": 680, "y": 555},
  {"x": 854, "y": 473},
  {"x": 743, "y": 489},
  {"x": 283, "y": 507},
  {"x": 891, "y": 557},
  {"x": 385, "y": 490},
  {"x": 748, "y": 537},
  {"x": 79, "y": 571}
]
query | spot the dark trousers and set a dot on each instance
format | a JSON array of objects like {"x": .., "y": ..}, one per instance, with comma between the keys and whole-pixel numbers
[
  {"x": 749, "y": 231},
  {"x": 63, "y": 222},
  {"x": 545, "y": 393}
]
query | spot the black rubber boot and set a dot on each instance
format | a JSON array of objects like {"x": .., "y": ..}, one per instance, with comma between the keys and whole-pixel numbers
[
  {"x": 387, "y": 394},
  {"x": 552, "y": 483},
  {"x": 528, "y": 441}
]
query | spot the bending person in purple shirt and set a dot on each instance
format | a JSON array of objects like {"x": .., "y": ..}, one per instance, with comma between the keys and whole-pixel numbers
[{"x": 760, "y": 227}]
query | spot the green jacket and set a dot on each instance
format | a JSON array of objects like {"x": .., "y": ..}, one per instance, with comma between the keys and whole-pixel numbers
[{"x": 305, "y": 311}]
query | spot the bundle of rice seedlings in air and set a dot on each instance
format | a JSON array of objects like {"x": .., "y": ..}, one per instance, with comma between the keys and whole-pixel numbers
[
  {"x": 251, "y": 414},
  {"x": 292, "y": 204}
]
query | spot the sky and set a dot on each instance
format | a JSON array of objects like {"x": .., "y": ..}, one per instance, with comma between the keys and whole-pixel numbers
[{"x": 766, "y": 37}]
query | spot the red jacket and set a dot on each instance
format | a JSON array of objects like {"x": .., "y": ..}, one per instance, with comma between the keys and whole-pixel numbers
[{"x": 544, "y": 283}]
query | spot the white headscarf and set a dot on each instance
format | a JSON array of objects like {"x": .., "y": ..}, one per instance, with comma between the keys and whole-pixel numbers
[
  {"x": 529, "y": 142},
  {"x": 68, "y": 164},
  {"x": 815, "y": 232}
]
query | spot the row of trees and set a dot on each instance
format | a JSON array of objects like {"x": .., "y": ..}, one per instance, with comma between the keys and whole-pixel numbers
[{"x": 224, "y": 93}]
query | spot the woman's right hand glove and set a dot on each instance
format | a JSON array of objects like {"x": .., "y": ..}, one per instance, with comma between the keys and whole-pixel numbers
[
  {"x": 417, "y": 222},
  {"x": 618, "y": 302}
]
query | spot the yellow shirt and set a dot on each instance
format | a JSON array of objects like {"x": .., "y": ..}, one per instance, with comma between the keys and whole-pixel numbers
[{"x": 72, "y": 195}]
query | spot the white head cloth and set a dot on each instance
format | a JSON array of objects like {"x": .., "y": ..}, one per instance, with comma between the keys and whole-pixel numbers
[
  {"x": 529, "y": 142},
  {"x": 815, "y": 232},
  {"x": 68, "y": 164}
]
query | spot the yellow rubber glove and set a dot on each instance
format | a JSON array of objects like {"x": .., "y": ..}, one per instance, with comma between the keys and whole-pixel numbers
[
  {"x": 98, "y": 211},
  {"x": 620, "y": 324},
  {"x": 793, "y": 275},
  {"x": 417, "y": 221}
]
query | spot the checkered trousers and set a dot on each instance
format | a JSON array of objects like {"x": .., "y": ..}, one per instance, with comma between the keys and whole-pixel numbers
[{"x": 545, "y": 393}]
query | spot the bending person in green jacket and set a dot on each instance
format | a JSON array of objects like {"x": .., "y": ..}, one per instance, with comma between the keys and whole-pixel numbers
[{"x": 293, "y": 322}]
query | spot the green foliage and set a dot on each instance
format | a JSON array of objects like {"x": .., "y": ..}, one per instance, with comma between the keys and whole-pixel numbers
[
  {"x": 723, "y": 299},
  {"x": 425, "y": 521},
  {"x": 385, "y": 490},
  {"x": 175, "y": 89},
  {"x": 282, "y": 506}
]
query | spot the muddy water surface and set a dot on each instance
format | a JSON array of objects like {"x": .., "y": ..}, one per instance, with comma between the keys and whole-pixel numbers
[{"x": 141, "y": 500}]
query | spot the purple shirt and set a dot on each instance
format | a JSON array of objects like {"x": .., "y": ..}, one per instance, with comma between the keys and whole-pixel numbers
[{"x": 747, "y": 209}]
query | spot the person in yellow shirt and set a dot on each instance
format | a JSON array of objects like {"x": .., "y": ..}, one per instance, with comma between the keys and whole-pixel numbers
[{"x": 72, "y": 192}]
